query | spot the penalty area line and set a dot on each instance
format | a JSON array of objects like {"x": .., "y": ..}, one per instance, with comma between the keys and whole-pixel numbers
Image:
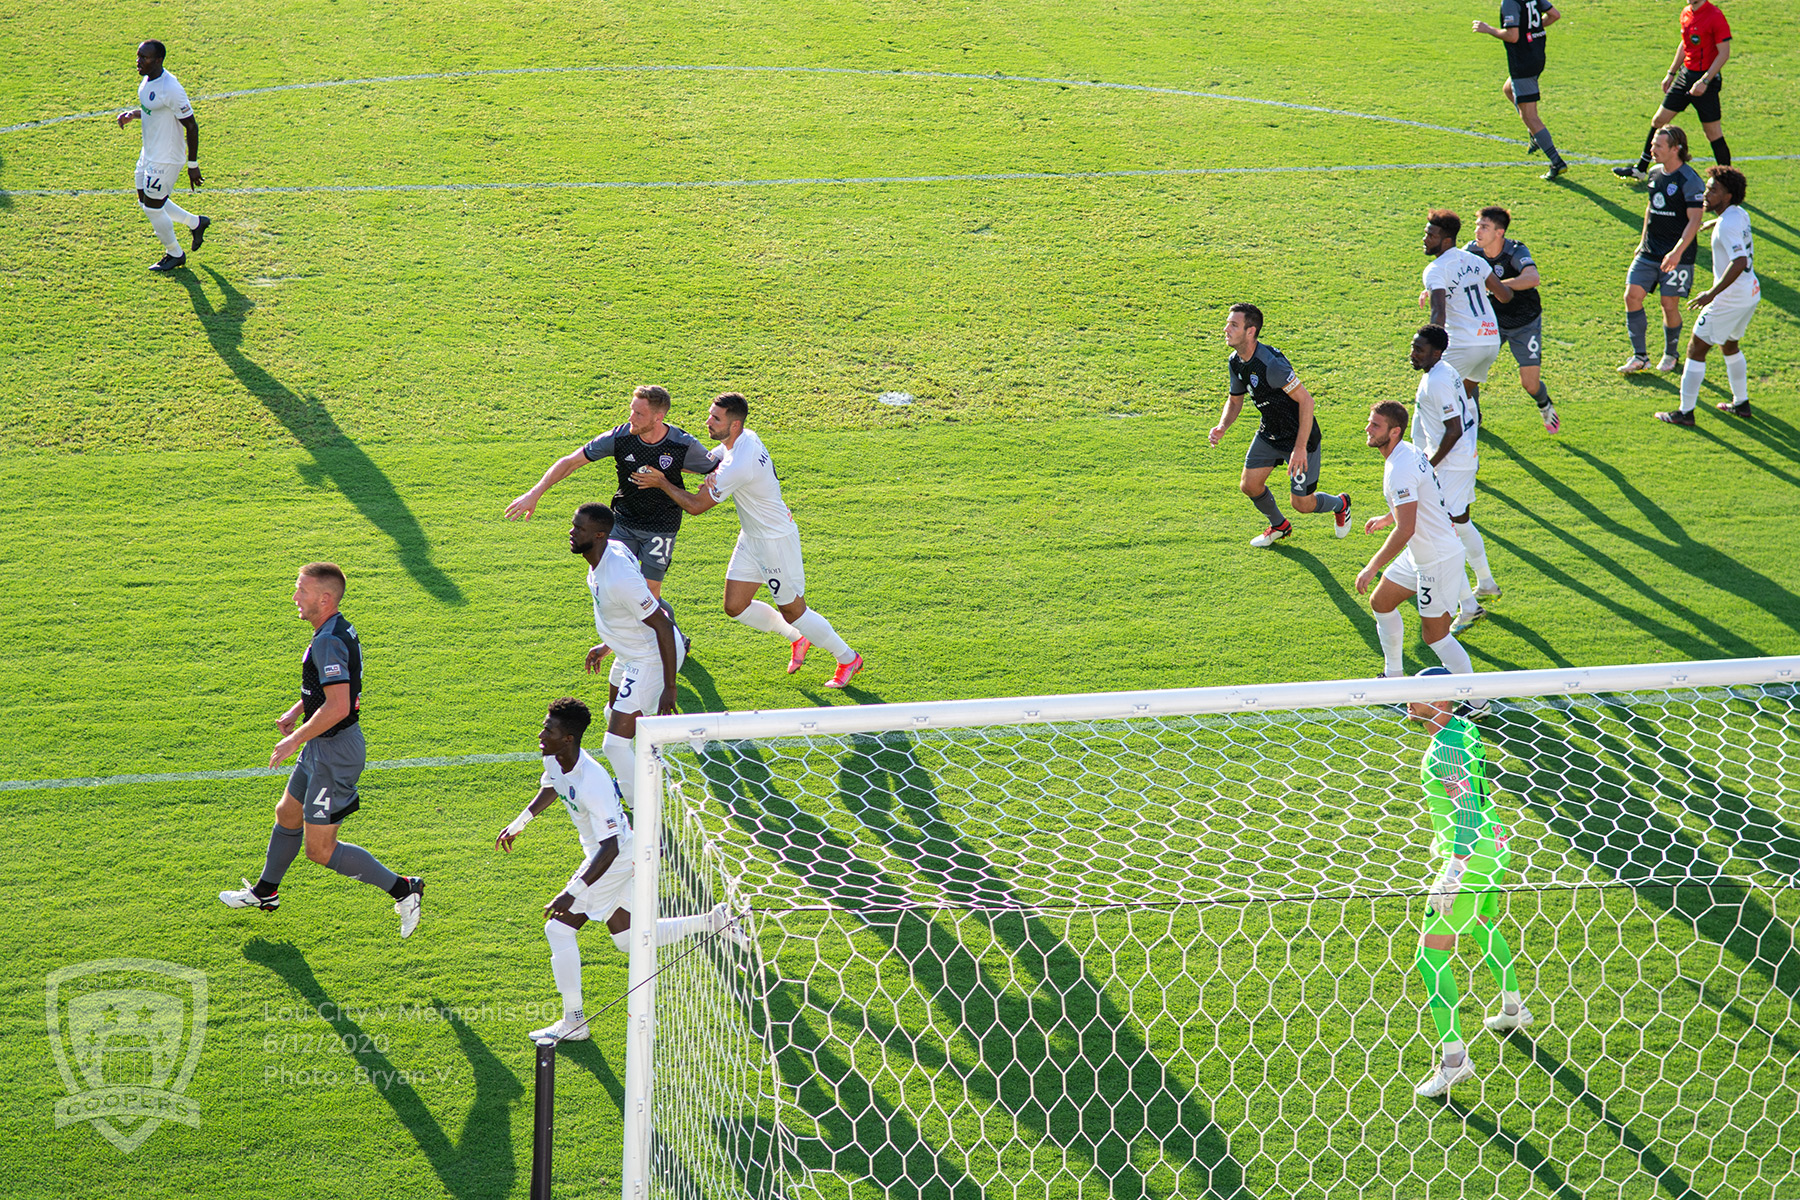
[{"x": 395, "y": 764}]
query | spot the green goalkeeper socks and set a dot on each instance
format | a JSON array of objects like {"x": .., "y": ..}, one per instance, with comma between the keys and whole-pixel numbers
[
  {"x": 1497, "y": 953},
  {"x": 1440, "y": 986}
]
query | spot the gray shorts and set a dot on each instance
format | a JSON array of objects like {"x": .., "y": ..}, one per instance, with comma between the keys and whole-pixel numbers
[
  {"x": 1525, "y": 91},
  {"x": 1647, "y": 273},
  {"x": 1264, "y": 453},
  {"x": 654, "y": 551},
  {"x": 1526, "y": 342},
  {"x": 324, "y": 780}
]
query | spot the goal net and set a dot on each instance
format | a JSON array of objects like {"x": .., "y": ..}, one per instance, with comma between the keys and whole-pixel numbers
[{"x": 1162, "y": 944}]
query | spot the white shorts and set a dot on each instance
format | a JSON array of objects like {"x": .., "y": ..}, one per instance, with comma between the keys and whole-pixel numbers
[
  {"x": 157, "y": 180},
  {"x": 1458, "y": 485},
  {"x": 1436, "y": 586},
  {"x": 1726, "y": 319},
  {"x": 640, "y": 682},
  {"x": 609, "y": 893},
  {"x": 1473, "y": 361},
  {"x": 773, "y": 562}
]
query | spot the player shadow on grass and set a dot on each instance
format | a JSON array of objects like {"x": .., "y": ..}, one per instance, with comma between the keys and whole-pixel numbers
[
  {"x": 1604, "y": 811},
  {"x": 335, "y": 456},
  {"x": 1355, "y": 611},
  {"x": 1524, "y": 633},
  {"x": 1631, "y": 218},
  {"x": 1668, "y": 1179},
  {"x": 479, "y": 1164},
  {"x": 1740, "y": 427},
  {"x": 1027, "y": 1021}
]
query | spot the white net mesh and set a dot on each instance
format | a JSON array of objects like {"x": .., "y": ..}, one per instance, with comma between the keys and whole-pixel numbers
[{"x": 1174, "y": 957}]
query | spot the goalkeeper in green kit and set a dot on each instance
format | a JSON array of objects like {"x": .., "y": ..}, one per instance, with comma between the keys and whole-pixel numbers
[{"x": 1465, "y": 899}]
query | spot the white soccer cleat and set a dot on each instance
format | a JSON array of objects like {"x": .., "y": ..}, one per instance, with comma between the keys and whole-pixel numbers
[
  {"x": 1467, "y": 621},
  {"x": 569, "y": 1029},
  {"x": 1552, "y": 422},
  {"x": 1669, "y": 363},
  {"x": 1487, "y": 589},
  {"x": 1439, "y": 1081},
  {"x": 1273, "y": 534},
  {"x": 1505, "y": 1022},
  {"x": 409, "y": 907},
  {"x": 246, "y": 897},
  {"x": 734, "y": 928},
  {"x": 1634, "y": 364}
]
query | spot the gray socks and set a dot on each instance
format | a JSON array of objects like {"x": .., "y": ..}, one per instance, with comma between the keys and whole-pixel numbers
[
  {"x": 1638, "y": 325},
  {"x": 284, "y": 847},
  {"x": 353, "y": 862},
  {"x": 1671, "y": 340},
  {"x": 1541, "y": 139},
  {"x": 1265, "y": 504},
  {"x": 1542, "y": 395}
]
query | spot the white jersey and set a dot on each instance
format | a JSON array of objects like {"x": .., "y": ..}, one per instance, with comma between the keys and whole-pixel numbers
[
  {"x": 1731, "y": 239},
  {"x": 164, "y": 104},
  {"x": 1440, "y": 397},
  {"x": 1408, "y": 478},
  {"x": 621, "y": 602},
  {"x": 746, "y": 474},
  {"x": 1468, "y": 317},
  {"x": 591, "y": 799}
]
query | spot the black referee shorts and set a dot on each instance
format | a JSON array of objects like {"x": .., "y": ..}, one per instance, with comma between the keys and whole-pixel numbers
[{"x": 1706, "y": 105}]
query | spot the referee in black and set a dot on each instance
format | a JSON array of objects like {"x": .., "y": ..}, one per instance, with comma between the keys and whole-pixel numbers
[
  {"x": 1522, "y": 26},
  {"x": 321, "y": 792}
]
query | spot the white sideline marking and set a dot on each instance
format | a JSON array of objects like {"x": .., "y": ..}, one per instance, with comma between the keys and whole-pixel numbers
[
  {"x": 455, "y": 760},
  {"x": 863, "y": 71}
]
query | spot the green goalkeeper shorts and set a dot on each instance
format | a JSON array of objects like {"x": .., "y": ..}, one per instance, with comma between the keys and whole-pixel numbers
[{"x": 1479, "y": 897}]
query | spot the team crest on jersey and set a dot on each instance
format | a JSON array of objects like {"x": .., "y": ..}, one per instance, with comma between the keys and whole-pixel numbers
[
  {"x": 665, "y": 461},
  {"x": 1254, "y": 381},
  {"x": 153, "y": 95},
  {"x": 1671, "y": 189}
]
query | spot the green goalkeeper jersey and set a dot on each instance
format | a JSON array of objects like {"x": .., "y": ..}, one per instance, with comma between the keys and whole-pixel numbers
[{"x": 1456, "y": 787}]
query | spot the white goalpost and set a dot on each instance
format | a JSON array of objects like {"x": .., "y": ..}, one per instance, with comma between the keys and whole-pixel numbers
[{"x": 1162, "y": 944}]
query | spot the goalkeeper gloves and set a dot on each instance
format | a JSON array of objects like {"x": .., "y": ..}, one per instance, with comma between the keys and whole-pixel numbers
[{"x": 1449, "y": 882}]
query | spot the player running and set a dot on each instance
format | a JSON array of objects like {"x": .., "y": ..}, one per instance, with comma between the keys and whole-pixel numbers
[
  {"x": 1727, "y": 306},
  {"x": 171, "y": 139},
  {"x": 601, "y": 887},
  {"x": 1422, "y": 556},
  {"x": 1695, "y": 77},
  {"x": 1522, "y": 26},
  {"x": 1457, "y": 284},
  {"x": 1520, "y": 315},
  {"x": 768, "y": 546},
  {"x": 1446, "y": 425},
  {"x": 1465, "y": 898},
  {"x": 1667, "y": 250},
  {"x": 321, "y": 792},
  {"x": 1286, "y": 433}
]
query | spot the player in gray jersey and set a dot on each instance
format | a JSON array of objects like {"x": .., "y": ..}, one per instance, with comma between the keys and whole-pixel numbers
[
  {"x": 1667, "y": 251},
  {"x": 1522, "y": 29},
  {"x": 324, "y": 725},
  {"x": 1517, "y": 306}
]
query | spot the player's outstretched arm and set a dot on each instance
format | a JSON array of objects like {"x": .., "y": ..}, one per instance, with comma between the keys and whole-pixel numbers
[
  {"x": 561, "y": 469},
  {"x": 517, "y": 825},
  {"x": 590, "y": 873},
  {"x": 692, "y": 503}
]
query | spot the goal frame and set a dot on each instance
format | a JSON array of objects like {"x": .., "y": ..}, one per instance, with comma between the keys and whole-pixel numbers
[{"x": 655, "y": 732}]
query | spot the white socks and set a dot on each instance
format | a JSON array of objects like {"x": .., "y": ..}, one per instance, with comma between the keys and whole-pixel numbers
[
  {"x": 623, "y": 762},
  {"x": 1692, "y": 376},
  {"x": 1475, "y": 550},
  {"x": 1511, "y": 1002},
  {"x": 180, "y": 215},
  {"x": 565, "y": 965},
  {"x": 1392, "y": 631},
  {"x": 1450, "y": 652},
  {"x": 165, "y": 230},
  {"x": 670, "y": 930},
  {"x": 1737, "y": 373},
  {"x": 764, "y": 617},
  {"x": 817, "y": 630}
]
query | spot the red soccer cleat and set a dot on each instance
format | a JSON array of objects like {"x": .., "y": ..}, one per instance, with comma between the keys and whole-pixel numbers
[
  {"x": 801, "y": 646},
  {"x": 841, "y": 676}
]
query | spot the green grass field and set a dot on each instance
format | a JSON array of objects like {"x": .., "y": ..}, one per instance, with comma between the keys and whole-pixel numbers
[{"x": 925, "y": 198}]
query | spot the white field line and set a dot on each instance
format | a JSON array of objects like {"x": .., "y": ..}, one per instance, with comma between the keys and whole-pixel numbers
[{"x": 98, "y": 781}]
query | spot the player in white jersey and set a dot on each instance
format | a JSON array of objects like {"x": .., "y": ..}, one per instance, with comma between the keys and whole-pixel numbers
[
  {"x": 171, "y": 138},
  {"x": 768, "y": 546},
  {"x": 1728, "y": 304},
  {"x": 1457, "y": 284},
  {"x": 602, "y": 886},
  {"x": 1446, "y": 425},
  {"x": 1421, "y": 555}
]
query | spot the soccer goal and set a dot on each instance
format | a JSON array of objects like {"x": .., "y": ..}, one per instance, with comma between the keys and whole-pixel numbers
[{"x": 1162, "y": 944}]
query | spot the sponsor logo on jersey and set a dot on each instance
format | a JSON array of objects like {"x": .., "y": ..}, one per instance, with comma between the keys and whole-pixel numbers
[
  {"x": 1656, "y": 201},
  {"x": 334, "y": 669},
  {"x": 631, "y": 458}
]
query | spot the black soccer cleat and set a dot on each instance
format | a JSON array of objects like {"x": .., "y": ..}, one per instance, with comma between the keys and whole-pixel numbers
[
  {"x": 170, "y": 262},
  {"x": 1684, "y": 419},
  {"x": 1558, "y": 167},
  {"x": 1634, "y": 173},
  {"x": 200, "y": 231},
  {"x": 1736, "y": 410}
]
